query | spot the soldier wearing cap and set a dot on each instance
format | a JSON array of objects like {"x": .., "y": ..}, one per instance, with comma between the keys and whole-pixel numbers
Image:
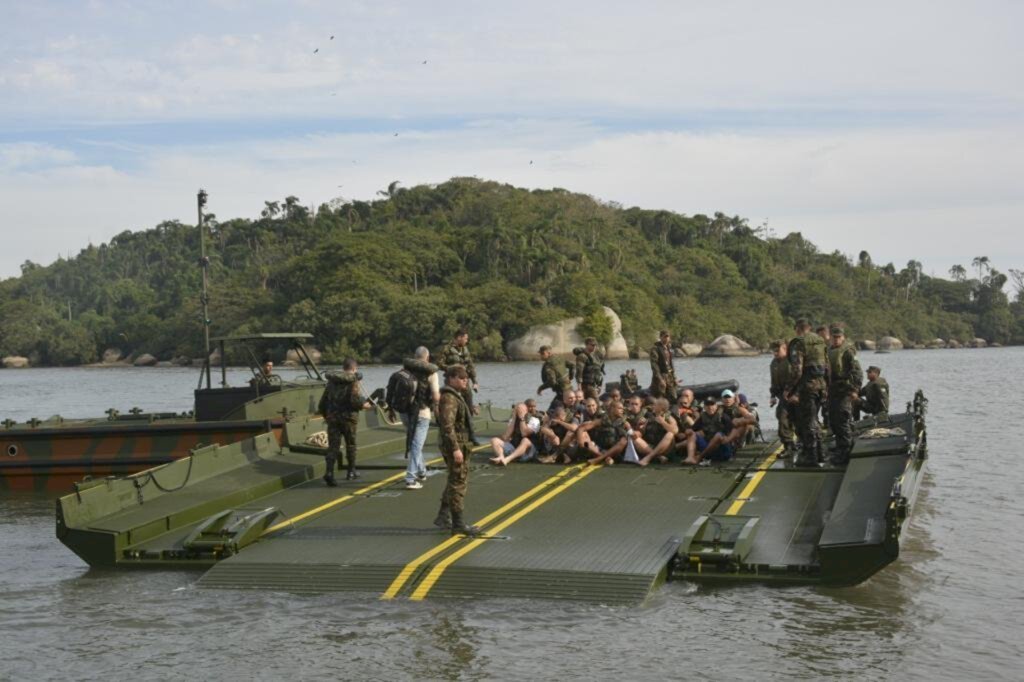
[
  {"x": 845, "y": 378},
  {"x": 589, "y": 368},
  {"x": 554, "y": 374},
  {"x": 874, "y": 397},
  {"x": 663, "y": 372},
  {"x": 806, "y": 389}
]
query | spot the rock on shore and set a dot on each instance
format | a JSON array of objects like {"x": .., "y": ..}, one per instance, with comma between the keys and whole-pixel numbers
[
  {"x": 729, "y": 346},
  {"x": 889, "y": 343},
  {"x": 867, "y": 344},
  {"x": 977, "y": 343},
  {"x": 145, "y": 360},
  {"x": 563, "y": 337},
  {"x": 15, "y": 362}
]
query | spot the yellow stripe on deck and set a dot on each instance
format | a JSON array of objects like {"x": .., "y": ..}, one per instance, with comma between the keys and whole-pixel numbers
[
  {"x": 407, "y": 572},
  {"x": 435, "y": 574},
  {"x": 345, "y": 498},
  {"x": 752, "y": 484}
]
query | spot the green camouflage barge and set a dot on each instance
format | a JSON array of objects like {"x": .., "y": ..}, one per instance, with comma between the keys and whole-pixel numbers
[
  {"x": 49, "y": 455},
  {"x": 255, "y": 515}
]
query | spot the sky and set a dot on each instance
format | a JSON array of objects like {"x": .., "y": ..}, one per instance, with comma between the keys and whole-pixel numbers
[{"x": 891, "y": 127}]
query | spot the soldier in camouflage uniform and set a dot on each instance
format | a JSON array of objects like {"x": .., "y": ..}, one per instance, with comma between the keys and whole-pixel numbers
[
  {"x": 553, "y": 375},
  {"x": 340, "y": 405},
  {"x": 844, "y": 385},
  {"x": 784, "y": 411},
  {"x": 589, "y": 368},
  {"x": 453, "y": 420},
  {"x": 457, "y": 353},
  {"x": 663, "y": 373},
  {"x": 806, "y": 389},
  {"x": 874, "y": 397},
  {"x": 628, "y": 383}
]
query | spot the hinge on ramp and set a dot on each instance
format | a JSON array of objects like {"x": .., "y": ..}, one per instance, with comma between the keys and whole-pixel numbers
[{"x": 226, "y": 532}]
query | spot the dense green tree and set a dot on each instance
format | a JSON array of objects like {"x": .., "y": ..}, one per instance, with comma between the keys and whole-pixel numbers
[{"x": 373, "y": 279}]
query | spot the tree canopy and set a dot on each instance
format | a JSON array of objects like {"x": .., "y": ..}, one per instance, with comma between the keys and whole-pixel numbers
[{"x": 374, "y": 279}]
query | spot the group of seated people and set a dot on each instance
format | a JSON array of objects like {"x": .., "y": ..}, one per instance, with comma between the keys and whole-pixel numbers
[{"x": 638, "y": 429}]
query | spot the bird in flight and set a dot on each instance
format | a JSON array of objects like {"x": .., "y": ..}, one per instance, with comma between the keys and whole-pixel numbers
[
  {"x": 316, "y": 50},
  {"x": 424, "y": 61},
  {"x": 332, "y": 37},
  {"x": 396, "y": 134},
  {"x": 531, "y": 162}
]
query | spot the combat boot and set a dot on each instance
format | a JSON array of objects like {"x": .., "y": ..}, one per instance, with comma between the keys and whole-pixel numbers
[
  {"x": 351, "y": 474},
  {"x": 444, "y": 517},
  {"x": 329, "y": 476},
  {"x": 805, "y": 458},
  {"x": 459, "y": 526}
]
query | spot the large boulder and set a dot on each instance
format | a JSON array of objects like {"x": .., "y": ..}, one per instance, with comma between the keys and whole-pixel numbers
[
  {"x": 953, "y": 343},
  {"x": 729, "y": 346},
  {"x": 145, "y": 360},
  {"x": 111, "y": 356},
  {"x": 563, "y": 337},
  {"x": 889, "y": 343},
  {"x": 937, "y": 343},
  {"x": 15, "y": 362},
  {"x": 977, "y": 343},
  {"x": 867, "y": 344}
]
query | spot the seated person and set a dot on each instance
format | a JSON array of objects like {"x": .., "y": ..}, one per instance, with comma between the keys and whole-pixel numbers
[
  {"x": 521, "y": 436},
  {"x": 734, "y": 423},
  {"x": 605, "y": 436},
  {"x": 629, "y": 383},
  {"x": 635, "y": 413},
  {"x": 266, "y": 376},
  {"x": 874, "y": 396},
  {"x": 703, "y": 431},
  {"x": 614, "y": 395},
  {"x": 559, "y": 437},
  {"x": 658, "y": 434},
  {"x": 687, "y": 409}
]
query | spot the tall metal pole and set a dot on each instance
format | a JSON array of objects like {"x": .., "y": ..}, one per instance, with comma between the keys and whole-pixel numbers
[{"x": 204, "y": 263}]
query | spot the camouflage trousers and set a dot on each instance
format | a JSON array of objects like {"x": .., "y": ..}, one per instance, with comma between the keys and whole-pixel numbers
[
  {"x": 807, "y": 425},
  {"x": 454, "y": 494},
  {"x": 786, "y": 414},
  {"x": 338, "y": 429},
  {"x": 840, "y": 419},
  {"x": 666, "y": 388},
  {"x": 591, "y": 391}
]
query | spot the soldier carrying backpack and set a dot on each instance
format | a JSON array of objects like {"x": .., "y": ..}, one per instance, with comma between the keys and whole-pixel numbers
[{"x": 340, "y": 405}]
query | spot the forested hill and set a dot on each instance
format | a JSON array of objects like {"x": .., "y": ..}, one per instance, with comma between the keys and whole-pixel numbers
[{"x": 374, "y": 279}]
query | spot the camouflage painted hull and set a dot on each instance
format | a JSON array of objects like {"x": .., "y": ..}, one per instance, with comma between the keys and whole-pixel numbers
[
  {"x": 49, "y": 456},
  {"x": 51, "y": 459}
]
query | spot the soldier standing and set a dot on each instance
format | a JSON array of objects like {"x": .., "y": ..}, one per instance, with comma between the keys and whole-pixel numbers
[
  {"x": 340, "y": 405},
  {"x": 453, "y": 420},
  {"x": 784, "y": 411},
  {"x": 806, "y": 389},
  {"x": 553, "y": 374},
  {"x": 874, "y": 397},
  {"x": 457, "y": 353},
  {"x": 589, "y": 368},
  {"x": 663, "y": 373},
  {"x": 844, "y": 385}
]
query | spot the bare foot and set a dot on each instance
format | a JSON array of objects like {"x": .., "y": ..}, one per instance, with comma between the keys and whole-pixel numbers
[
  {"x": 608, "y": 461},
  {"x": 500, "y": 461}
]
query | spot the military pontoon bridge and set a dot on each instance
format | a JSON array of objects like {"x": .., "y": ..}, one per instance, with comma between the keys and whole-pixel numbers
[{"x": 256, "y": 515}]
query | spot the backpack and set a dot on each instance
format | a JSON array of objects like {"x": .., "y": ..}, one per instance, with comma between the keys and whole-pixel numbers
[{"x": 401, "y": 393}]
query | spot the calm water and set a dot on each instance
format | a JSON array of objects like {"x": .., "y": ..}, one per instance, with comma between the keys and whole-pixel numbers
[{"x": 949, "y": 609}]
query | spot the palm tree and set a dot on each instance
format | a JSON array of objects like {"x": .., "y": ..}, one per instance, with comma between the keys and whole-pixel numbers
[
  {"x": 958, "y": 273},
  {"x": 271, "y": 210},
  {"x": 981, "y": 263}
]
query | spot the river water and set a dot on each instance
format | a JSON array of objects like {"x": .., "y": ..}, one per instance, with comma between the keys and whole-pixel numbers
[{"x": 949, "y": 609}]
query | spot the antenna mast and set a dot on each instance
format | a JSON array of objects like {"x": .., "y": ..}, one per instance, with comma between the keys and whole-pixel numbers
[{"x": 204, "y": 263}]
